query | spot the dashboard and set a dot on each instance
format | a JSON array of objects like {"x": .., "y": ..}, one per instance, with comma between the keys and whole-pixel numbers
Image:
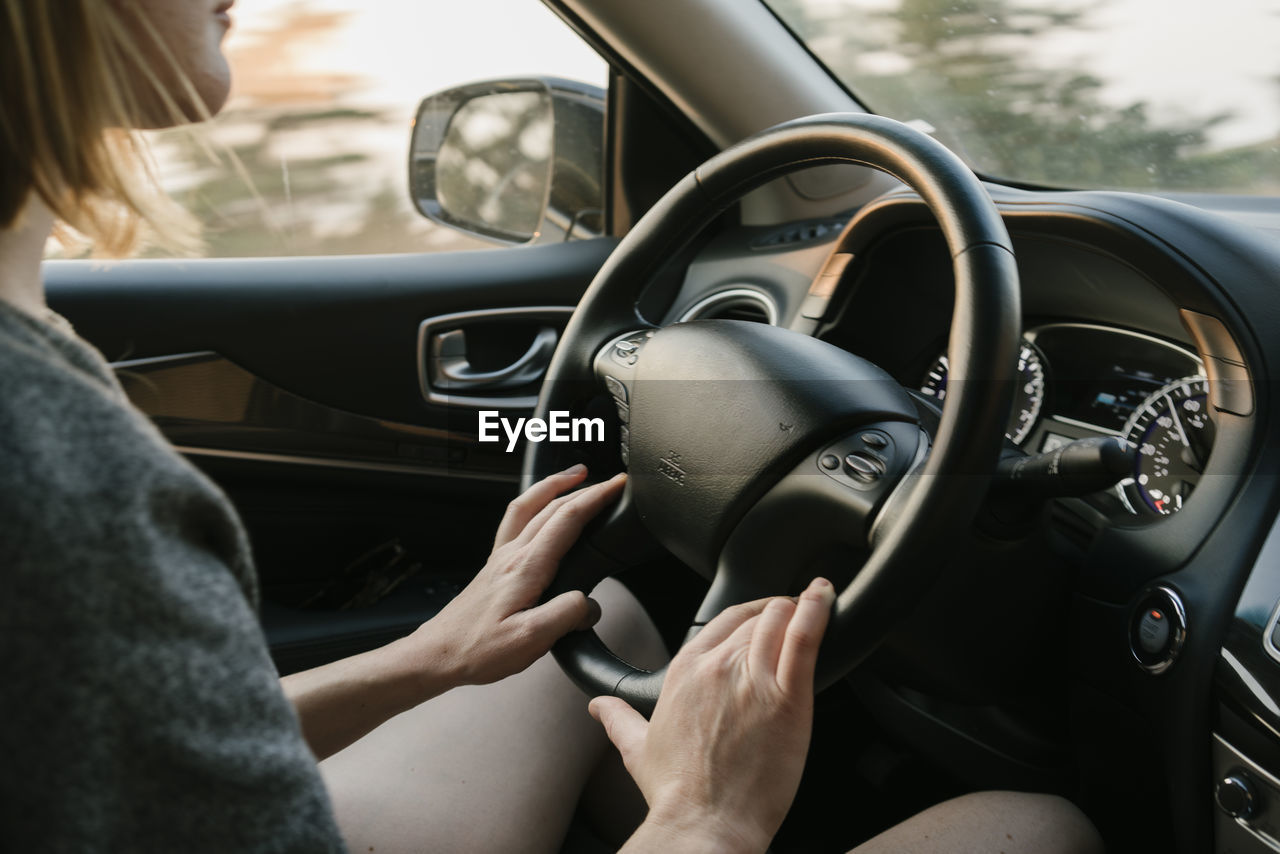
[{"x": 1143, "y": 319}]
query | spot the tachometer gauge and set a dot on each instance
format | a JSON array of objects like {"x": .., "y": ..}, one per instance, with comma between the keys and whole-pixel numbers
[
  {"x": 1028, "y": 401},
  {"x": 1173, "y": 435}
]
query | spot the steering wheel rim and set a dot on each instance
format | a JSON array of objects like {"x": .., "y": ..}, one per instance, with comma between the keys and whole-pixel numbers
[{"x": 931, "y": 504}]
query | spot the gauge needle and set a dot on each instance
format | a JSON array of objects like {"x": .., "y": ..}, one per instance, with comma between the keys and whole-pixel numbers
[{"x": 1182, "y": 434}]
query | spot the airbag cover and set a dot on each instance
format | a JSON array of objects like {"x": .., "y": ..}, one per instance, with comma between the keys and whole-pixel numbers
[{"x": 721, "y": 409}]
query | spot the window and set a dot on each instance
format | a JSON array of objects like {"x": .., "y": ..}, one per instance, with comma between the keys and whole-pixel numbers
[
  {"x": 320, "y": 114},
  {"x": 1125, "y": 94}
]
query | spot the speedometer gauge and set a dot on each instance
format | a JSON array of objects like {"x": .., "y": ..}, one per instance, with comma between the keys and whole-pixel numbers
[
  {"x": 1028, "y": 401},
  {"x": 1173, "y": 435}
]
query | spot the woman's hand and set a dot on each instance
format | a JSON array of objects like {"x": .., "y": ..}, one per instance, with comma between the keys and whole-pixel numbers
[
  {"x": 495, "y": 627},
  {"x": 721, "y": 760}
]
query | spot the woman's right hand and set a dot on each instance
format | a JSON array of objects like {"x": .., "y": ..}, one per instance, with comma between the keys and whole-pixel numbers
[{"x": 720, "y": 762}]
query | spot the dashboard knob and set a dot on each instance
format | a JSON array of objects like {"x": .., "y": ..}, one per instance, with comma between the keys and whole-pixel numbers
[{"x": 1236, "y": 796}]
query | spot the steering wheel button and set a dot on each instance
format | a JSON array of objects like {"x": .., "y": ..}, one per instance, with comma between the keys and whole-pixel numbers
[
  {"x": 863, "y": 466},
  {"x": 626, "y": 348},
  {"x": 830, "y": 462},
  {"x": 875, "y": 441},
  {"x": 624, "y": 412},
  {"x": 616, "y": 388}
]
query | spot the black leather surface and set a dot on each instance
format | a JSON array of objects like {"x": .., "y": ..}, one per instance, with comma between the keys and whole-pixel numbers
[{"x": 721, "y": 409}]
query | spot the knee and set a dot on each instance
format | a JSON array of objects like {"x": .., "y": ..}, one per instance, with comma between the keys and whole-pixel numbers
[{"x": 1048, "y": 824}]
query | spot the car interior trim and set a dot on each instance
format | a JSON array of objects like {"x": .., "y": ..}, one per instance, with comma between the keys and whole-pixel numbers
[
  {"x": 433, "y": 326},
  {"x": 203, "y": 401},
  {"x": 1268, "y": 637},
  {"x": 1255, "y": 687},
  {"x": 722, "y": 299},
  {"x": 176, "y": 360},
  {"x": 350, "y": 465},
  {"x": 1181, "y": 350},
  {"x": 1230, "y": 760}
]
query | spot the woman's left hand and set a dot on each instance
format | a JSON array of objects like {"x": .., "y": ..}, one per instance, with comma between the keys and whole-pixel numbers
[{"x": 495, "y": 627}]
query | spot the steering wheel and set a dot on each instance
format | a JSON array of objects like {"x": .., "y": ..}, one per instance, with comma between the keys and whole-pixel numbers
[{"x": 755, "y": 452}]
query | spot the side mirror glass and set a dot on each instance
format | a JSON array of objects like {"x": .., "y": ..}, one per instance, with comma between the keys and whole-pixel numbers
[{"x": 517, "y": 161}]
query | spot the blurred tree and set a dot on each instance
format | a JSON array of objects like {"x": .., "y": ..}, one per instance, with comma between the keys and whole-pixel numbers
[{"x": 970, "y": 69}]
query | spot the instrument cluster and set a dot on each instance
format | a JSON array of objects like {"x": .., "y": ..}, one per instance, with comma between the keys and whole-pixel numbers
[{"x": 1079, "y": 381}]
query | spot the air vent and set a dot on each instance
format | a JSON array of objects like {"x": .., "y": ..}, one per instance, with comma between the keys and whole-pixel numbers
[{"x": 736, "y": 304}]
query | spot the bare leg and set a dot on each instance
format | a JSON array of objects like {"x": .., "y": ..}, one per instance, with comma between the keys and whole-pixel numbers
[
  {"x": 991, "y": 823},
  {"x": 489, "y": 768}
]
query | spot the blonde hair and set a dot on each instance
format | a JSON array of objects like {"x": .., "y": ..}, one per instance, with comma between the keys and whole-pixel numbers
[{"x": 70, "y": 107}]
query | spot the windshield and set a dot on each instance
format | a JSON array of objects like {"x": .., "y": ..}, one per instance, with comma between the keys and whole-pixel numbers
[{"x": 1123, "y": 94}]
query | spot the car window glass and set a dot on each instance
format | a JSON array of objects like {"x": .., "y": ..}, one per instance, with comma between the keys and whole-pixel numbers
[
  {"x": 1124, "y": 94},
  {"x": 320, "y": 116}
]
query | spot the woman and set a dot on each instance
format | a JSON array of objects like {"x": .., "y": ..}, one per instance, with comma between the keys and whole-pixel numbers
[
  {"x": 140, "y": 704},
  {"x": 140, "y": 707}
]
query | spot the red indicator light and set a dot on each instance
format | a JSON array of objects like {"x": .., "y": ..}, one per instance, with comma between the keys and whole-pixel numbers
[{"x": 1157, "y": 615}]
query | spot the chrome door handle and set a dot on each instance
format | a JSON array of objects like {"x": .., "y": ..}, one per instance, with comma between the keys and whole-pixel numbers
[
  {"x": 453, "y": 371},
  {"x": 446, "y": 376}
]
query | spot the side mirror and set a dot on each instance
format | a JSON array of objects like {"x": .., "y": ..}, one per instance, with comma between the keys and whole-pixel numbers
[{"x": 516, "y": 161}]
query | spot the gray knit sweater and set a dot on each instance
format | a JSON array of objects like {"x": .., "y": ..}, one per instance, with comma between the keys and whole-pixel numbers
[{"x": 139, "y": 709}]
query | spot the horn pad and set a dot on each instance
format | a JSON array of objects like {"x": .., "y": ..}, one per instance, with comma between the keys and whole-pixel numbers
[{"x": 721, "y": 409}]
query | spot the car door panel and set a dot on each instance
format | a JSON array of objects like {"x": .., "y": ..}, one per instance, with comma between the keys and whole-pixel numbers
[
  {"x": 296, "y": 384},
  {"x": 338, "y": 331}
]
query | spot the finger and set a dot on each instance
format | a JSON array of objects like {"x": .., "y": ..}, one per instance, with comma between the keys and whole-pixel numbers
[
  {"x": 624, "y": 726},
  {"x": 804, "y": 633},
  {"x": 528, "y": 504},
  {"x": 552, "y": 620},
  {"x": 593, "y": 615},
  {"x": 558, "y": 534},
  {"x": 766, "y": 641},
  {"x": 535, "y": 526},
  {"x": 724, "y": 624}
]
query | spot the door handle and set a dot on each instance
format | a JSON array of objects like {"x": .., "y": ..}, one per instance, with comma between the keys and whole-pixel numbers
[
  {"x": 453, "y": 370},
  {"x": 446, "y": 376}
]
